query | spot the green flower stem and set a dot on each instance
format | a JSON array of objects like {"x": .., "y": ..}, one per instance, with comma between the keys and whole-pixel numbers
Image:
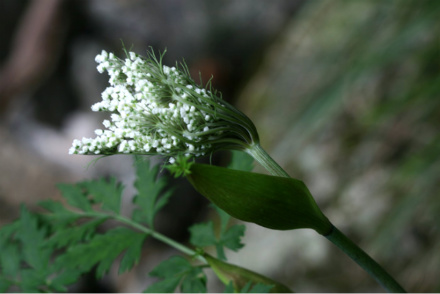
[
  {"x": 154, "y": 234},
  {"x": 364, "y": 260},
  {"x": 260, "y": 155},
  {"x": 335, "y": 236}
]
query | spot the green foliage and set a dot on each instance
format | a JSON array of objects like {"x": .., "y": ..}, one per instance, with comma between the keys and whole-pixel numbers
[
  {"x": 75, "y": 234},
  {"x": 25, "y": 257},
  {"x": 181, "y": 166},
  {"x": 149, "y": 188},
  {"x": 102, "y": 250},
  {"x": 75, "y": 197},
  {"x": 47, "y": 252},
  {"x": 106, "y": 192},
  {"x": 243, "y": 279},
  {"x": 203, "y": 235},
  {"x": 51, "y": 250},
  {"x": 178, "y": 271},
  {"x": 273, "y": 202}
]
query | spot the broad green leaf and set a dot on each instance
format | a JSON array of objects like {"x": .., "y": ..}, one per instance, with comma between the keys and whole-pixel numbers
[
  {"x": 75, "y": 196},
  {"x": 106, "y": 192},
  {"x": 101, "y": 250},
  {"x": 240, "y": 277},
  {"x": 152, "y": 195},
  {"x": 273, "y": 202},
  {"x": 175, "y": 270}
]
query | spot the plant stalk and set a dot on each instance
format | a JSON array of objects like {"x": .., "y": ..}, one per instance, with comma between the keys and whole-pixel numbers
[
  {"x": 260, "y": 155},
  {"x": 364, "y": 260},
  {"x": 335, "y": 236},
  {"x": 158, "y": 236}
]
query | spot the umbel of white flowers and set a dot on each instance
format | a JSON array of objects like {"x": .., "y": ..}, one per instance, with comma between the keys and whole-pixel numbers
[{"x": 156, "y": 109}]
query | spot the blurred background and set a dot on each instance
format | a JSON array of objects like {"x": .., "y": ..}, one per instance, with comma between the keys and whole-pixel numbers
[{"x": 345, "y": 95}]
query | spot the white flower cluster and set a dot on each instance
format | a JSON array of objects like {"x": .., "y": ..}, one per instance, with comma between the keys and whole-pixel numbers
[{"x": 155, "y": 110}]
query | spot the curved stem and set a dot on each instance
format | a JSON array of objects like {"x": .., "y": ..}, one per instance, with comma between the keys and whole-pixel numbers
[
  {"x": 364, "y": 260},
  {"x": 260, "y": 155}
]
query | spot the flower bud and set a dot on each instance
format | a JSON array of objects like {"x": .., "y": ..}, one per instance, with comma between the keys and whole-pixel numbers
[{"x": 158, "y": 109}]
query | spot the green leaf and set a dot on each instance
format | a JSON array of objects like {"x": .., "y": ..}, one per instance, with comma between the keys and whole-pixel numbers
[
  {"x": 59, "y": 215},
  {"x": 101, "y": 250},
  {"x": 33, "y": 280},
  {"x": 246, "y": 287},
  {"x": 232, "y": 237},
  {"x": 25, "y": 256},
  {"x": 131, "y": 257},
  {"x": 66, "y": 277},
  {"x": 175, "y": 270},
  {"x": 32, "y": 238},
  {"x": 229, "y": 288},
  {"x": 76, "y": 233},
  {"x": 75, "y": 196},
  {"x": 174, "y": 266},
  {"x": 181, "y": 167},
  {"x": 10, "y": 259},
  {"x": 9, "y": 250},
  {"x": 224, "y": 218},
  {"x": 4, "y": 284},
  {"x": 106, "y": 192},
  {"x": 241, "y": 278},
  {"x": 168, "y": 285},
  {"x": 241, "y": 161},
  {"x": 203, "y": 235},
  {"x": 273, "y": 202},
  {"x": 150, "y": 188},
  {"x": 194, "y": 282},
  {"x": 7, "y": 231}
]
